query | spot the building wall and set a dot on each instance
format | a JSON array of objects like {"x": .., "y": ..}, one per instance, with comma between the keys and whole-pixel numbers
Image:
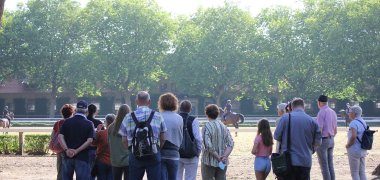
[{"x": 38, "y": 106}]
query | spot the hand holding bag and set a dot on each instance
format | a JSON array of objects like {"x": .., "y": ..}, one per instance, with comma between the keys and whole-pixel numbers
[{"x": 281, "y": 162}]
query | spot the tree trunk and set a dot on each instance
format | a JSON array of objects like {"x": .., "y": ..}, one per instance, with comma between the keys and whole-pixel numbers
[
  {"x": 127, "y": 99},
  {"x": 218, "y": 97},
  {"x": 2, "y": 2},
  {"x": 52, "y": 104},
  {"x": 53, "y": 100}
]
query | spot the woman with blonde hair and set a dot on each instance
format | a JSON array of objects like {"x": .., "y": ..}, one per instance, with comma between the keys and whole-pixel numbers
[{"x": 119, "y": 153}]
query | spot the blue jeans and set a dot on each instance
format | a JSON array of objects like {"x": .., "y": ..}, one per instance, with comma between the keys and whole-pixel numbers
[
  {"x": 59, "y": 166},
  {"x": 104, "y": 171},
  {"x": 325, "y": 158},
  {"x": 138, "y": 167},
  {"x": 92, "y": 156},
  {"x": 299, "y": 173},
  {"x": 357, "y": 167},
  {"x": 169, "y": 169},
  {"x": 120, "y": 172},
  {"x": 81, "y": 168}
]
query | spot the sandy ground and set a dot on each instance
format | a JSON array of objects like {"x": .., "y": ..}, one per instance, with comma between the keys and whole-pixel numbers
[{"x": 241, "y": 167}]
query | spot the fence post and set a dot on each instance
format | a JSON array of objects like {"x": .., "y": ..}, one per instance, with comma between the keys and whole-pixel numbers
[{"x": 21, "y": 142}]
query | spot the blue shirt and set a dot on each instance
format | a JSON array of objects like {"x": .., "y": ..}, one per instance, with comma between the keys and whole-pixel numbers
[
  {"x": 355, "y": 149},
  {"x": 304, "y": 133},
  {"x": 173, "y": 135},
  {"x": 76, "y": 131},
  {"x": 142, "y": 113}
]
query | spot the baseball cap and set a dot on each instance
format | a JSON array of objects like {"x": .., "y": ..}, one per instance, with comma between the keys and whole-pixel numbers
[{"x": 82, "y": 104}]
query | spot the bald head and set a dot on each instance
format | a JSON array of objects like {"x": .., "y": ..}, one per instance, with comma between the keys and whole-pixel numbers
[{"x": 143, "y": 98}]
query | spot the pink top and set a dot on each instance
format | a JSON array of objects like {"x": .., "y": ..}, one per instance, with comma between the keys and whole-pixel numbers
[
  {"x": 327, "y": 120},
  {"x": 262, "y": 150}
]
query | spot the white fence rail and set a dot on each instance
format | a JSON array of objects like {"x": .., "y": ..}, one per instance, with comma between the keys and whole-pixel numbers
[{"x": 248, "y": 119}]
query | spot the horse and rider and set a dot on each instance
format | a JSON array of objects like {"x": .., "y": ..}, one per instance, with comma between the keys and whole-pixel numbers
[
  {"x": 229, "y": 117},
  {"x": 5, "y": 121}
]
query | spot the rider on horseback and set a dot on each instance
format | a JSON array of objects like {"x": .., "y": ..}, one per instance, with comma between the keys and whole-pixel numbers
[
  {"x": 6, "y": 114},
  {"x": 227, "y": 109}
]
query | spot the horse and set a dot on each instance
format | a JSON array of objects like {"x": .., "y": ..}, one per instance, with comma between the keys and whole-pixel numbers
[
  {"x": 4, "y": 122},
  {"x": 232, "y": 118}
]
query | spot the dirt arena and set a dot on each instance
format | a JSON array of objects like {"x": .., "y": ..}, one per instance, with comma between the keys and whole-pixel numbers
[{"x": 241, "y": 161}]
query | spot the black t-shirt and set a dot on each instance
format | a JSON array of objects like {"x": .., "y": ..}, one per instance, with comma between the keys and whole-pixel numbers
[
  {"x": 96, "y": 122},
  {"x": 76, "y": 131}
]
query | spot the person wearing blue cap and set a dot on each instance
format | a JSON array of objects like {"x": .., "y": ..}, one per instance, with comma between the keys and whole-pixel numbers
[{"x": 76, "y": 134}]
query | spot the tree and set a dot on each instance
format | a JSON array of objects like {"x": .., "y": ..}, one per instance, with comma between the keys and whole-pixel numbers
[
  {"x": 129, "y": 39},
  {"x": 305, "y": 57},
  {"x": 49, "y": 35},
  {"x": 362, "y": 37},
  {"x": 343, "y": 35},
  {"x": 2, "y": 3},
  {"x": 13, "y": 47},
  {"x": 210, "y": 53}
]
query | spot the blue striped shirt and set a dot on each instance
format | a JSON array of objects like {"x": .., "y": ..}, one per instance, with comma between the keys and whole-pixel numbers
[{"x": 142, "y": 114}]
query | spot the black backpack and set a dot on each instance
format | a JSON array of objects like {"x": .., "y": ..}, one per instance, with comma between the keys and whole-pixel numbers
[
  {"x": 143, "y": 145},
  {"x": 367, "y": 138},
  {"x": 188, "y": 148}
]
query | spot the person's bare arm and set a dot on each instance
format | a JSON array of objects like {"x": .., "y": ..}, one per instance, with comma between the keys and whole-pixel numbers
[
  {"x": 62, "y": 142},
  {"x": 336, "y": 125},
  {"x": 230, "y": 145},
  {"x": 254, "y": 149},
  {"x": 162, "y": 139},
  {"x": 227, "y": 151},
  {"x": 84, "y": 146},
  {"x": 69, "y": 152},
  {"x": 351, "y": 141}
]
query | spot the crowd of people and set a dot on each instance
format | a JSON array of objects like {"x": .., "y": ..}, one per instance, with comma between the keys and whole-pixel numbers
[
  {"x": 317, "y": 136},
  {"x": 169, "y": 144}
]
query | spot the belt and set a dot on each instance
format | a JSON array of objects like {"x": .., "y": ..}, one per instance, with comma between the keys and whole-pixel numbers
[{"x": 328, "y": 137}]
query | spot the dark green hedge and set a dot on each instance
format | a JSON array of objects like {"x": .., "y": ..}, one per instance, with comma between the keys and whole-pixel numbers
[
  {"x": 9, "y": 144},
  {"x": 36, "y": 144},
  {"x": 32, "y": 124}
]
